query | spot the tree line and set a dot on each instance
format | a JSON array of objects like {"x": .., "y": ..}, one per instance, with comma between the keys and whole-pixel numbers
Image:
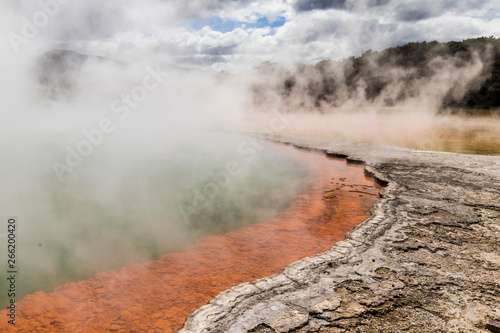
[{"x": 456, "y": 75}]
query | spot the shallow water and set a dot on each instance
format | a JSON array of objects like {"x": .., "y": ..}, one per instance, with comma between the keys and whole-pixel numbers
[
  {"x": 158, "y": 295},
  {"x": 408, "y": 129}
]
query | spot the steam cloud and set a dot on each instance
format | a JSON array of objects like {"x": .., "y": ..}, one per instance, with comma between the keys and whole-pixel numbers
[
  {"x": 80, "y": 130},
  {"x": 98, "y": 154},
  {"x": 375, "y": 80}
]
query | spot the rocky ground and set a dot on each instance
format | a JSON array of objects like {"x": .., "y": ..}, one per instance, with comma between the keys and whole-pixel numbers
[{"x": 427, "y": 260}]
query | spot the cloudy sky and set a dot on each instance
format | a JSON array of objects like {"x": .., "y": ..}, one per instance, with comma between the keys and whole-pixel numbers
[{"x": 225, "y": 34}]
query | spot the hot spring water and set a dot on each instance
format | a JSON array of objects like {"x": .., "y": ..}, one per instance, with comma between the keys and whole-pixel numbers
[{"x": 124, "y": 205}]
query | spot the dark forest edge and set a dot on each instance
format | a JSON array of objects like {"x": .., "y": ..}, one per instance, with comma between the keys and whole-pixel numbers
[
  {"x": 450, "y": 77},
  {"x": 443, "y": 77}
]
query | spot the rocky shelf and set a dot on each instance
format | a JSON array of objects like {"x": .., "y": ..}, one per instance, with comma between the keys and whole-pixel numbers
[{"x": 427, "y": 260}]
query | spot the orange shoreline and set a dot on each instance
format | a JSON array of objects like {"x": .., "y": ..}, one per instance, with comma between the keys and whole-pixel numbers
[{"x": 157, "y": 296}]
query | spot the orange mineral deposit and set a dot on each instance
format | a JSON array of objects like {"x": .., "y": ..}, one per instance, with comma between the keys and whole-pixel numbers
[{"x": 157, "y": 296}]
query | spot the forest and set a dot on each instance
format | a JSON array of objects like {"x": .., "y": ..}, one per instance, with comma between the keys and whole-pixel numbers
[{"x": 452, "y": 76}]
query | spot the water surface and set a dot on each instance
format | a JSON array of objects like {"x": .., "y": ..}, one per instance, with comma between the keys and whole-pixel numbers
[
  {"x": 160, "y": 294},
  {"x": 135, "y": 204},
  {"x": 408, "y": 128}
]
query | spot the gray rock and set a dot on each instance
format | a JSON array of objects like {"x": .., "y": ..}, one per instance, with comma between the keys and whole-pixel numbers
[{"x": 427, "y": 260}]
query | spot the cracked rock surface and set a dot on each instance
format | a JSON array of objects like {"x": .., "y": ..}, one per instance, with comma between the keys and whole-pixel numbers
[{"x": 427, "y": 260}]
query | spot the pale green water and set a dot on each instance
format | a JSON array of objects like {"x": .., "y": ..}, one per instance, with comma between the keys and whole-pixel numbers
[{"x": 120, "y": 207}]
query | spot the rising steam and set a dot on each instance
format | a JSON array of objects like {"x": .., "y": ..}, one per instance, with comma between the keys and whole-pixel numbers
[{"x": 99, "y": 153}]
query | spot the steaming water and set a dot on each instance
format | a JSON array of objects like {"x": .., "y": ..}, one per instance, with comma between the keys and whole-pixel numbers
[
  {"x": 403, "y": 128},
  {"x": 156, "y": 199}
]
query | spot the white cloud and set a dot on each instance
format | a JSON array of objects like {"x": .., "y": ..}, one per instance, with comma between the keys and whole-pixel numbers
[{"x": 129, "y": 29}]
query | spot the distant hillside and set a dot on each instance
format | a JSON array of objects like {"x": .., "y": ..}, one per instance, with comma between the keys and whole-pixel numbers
[
  {"x": 57, "y": 71},
  {"x": 60, "y": 72},
  {"x": 454, "y": 75}
]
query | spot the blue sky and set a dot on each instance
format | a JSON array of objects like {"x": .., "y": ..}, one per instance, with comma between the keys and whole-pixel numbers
[{"x": 226, "y": 25}]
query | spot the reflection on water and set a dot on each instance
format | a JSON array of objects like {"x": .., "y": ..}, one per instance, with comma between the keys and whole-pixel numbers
[{"x": 158, "y": 295}]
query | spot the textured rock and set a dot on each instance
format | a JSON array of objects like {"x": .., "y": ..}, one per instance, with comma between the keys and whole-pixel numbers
[{"x": 427, "y": 260}]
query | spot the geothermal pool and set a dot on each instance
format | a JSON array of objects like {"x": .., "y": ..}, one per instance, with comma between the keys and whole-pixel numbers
[
  {"x": 284, "y": 205},
  {"x": 403, "y": 128},
  {"x": 134, "y": 205}
]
